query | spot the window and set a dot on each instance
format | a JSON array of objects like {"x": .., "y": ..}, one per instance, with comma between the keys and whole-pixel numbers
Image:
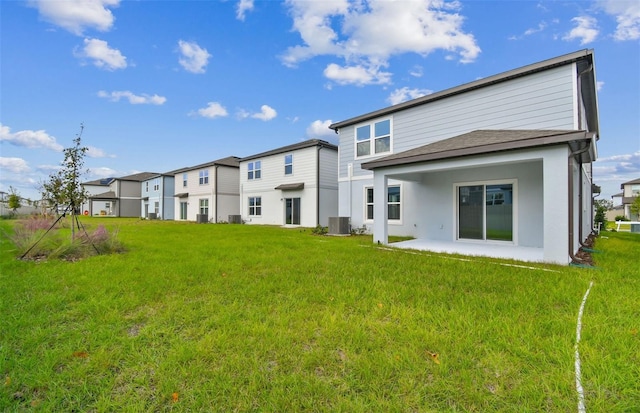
[
  {"x": 255, "y": 206},
  {"x": 373, "y": 139},
  {"x": 204, "y": 206},
  {"x": 288, "y": 164},
  {"x": 203, "y": 177},
  {"x": 485, "y": 212},
  {"x": 184, "y": 180},
  {"x": 253, "y": 170},
  {"x": 635, "y": 190},
  {"x": 394, "y": 207},
  {"x": 156, "y": 208},
  {"x": 146, "y": 186}
]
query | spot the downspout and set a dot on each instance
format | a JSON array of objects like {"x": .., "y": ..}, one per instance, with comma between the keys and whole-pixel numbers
[
  {"x": 215, "y": 202},
  {"x": 318, "y": 185},
  {"x": 570, "y": 196}
]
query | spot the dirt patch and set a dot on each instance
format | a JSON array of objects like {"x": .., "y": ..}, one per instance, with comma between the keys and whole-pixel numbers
[{"x": 584, "y": 256}]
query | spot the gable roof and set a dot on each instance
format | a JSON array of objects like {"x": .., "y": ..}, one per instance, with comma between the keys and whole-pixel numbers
[
  {"x": 290, "y": 148},
  {"x": 585, "y": 66},
  {"x": 231, "y": 161},
  {"x": 634, "y": 181},
  {"x": 480, "y": 142},
  {"x": 139, "y": 177}
]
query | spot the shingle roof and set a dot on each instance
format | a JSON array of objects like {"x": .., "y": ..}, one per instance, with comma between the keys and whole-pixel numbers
[
  {"x": 634, "y": 181},
  {"x": 139, "y": 177},
  {"x": 232, "y": 161},
  {"x": 479, "y": 142},
  {"x": 289, "y": 148},
  {"x": 105, "y": 195}
]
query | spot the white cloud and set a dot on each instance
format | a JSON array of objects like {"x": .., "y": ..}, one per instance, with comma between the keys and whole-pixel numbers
[
  {"x": 627, "y": 14},
  {"x": 243, "y": 7},
  {"x": 213, "y": 110},
  {"x": 29, "y": 139},
  {"x": 356, "y": 75},
  {"x": 320, "y": 128},
  {"x": 93, "y": 152},
  {"x": 266, "y": 113},
  {"x": 194, "y": 58},
  {"x": 366, "y": 33},
  {"x": 586, "y": 30},
  {"x": 102, "y": 172},
  {"x": 404, "y": 94},
  {"x": 599, "y": 85},
  {"x": 77, "y": 15},
  {"x": 134, "y": 99},
  {"x": 416, "y": 71},
  {"x": 102, "y": 55},
  {"x": 14, "y": 165}
]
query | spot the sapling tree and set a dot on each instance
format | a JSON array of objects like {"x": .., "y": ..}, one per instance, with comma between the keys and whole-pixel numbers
[
  {"x": 635, "y": 206},
  {"x": 63, "y": 187}
]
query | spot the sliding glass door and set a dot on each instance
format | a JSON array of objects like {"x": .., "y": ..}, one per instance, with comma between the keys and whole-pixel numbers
[
  {"x": 292, "y": 211},
  {"x": 485, "y": 212}
]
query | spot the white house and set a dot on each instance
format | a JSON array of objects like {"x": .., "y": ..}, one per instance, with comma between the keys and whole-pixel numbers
[
  {"x": 207, "y": 192},
  {"x": 500, "y": 166},
  {"x": 630, "y": 191},
  {"x": 115, "y": 197},
  {"x": 292, "y": 185}
]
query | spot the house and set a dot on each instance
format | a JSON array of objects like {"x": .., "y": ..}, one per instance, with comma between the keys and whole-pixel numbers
[
  {"x": 499, "y": 167},
  {"x": 630, "y": 191},
  {"x": 157, "y": 196},
  {"x": 208, "y": 192},
  {"x": 115, "y": 197},
  {"x": 293, "y": 185}
]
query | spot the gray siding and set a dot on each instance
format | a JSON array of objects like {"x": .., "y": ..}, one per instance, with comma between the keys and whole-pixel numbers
[{"x": 542, "y": 100}]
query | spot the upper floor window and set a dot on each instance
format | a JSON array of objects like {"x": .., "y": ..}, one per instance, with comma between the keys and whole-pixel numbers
[
  {"x": 156, "y": 184},
  {"x": 288, "y": 164},
  {"x": 254, "y": 170},
  {"x": 203, "y": 177},
  {"x": 146, "y": 186},
  {"x": 373, "y": 139},
  {"x": 184, "y": 180},
  {"x": 635, "y": 190}
]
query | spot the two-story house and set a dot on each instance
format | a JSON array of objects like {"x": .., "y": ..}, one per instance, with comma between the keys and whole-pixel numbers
[
  {"x": 115, "y": 197},
  {"x": 157, "y": 196},
  {"x": 630, "y": 191},
  {"x": 291, "y": 185},
  {"x": 208, "y": 192},
  {"x": 500, "y": 166}
]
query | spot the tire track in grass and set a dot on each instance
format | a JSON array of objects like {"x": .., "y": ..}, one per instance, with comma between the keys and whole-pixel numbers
[{"x": 581, "y": 406}]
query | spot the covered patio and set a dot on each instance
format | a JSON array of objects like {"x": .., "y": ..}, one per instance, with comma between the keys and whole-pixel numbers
[{"x": 493, "y": 250}]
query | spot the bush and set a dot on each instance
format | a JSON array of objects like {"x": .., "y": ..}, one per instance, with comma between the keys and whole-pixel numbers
[
  {"x": 621, "y": 218},
  {"x": 38, "y": 239},
  {"x": 320, "y": 230}
]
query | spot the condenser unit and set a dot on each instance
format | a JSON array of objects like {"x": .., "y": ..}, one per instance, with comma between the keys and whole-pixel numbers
[{"x": 339, "y": 226}]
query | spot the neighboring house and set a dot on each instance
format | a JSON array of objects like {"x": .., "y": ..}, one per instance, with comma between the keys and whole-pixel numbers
[
  {"x": 157, "y": 196},
  {"x": 292, "y": 185},
  {"x": 118, "y": 197},
  {"x": 208, "y": 192},
  {"x": 500, "y": 166},
  {"x": 630, "y": 190}
]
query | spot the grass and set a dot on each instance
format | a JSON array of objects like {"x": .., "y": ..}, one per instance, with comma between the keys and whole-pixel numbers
[{"x": 244, "y": 318}]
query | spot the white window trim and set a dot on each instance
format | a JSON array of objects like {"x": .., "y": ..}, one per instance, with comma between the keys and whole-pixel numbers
[
  {"x": 389, "y": 221},
  {"x": 285, "y": 164},
  {"x": 253, "y": 163},
  {"x": 372, "y": 154},
  {"x": 249, "y": 206},
  {"x": 514, "y": 185},
  {"x": 200, "y": 205},
  {"x": 203, "y": 177}
]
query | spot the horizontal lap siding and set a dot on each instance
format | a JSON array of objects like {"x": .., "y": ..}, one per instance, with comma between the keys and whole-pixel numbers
[{"x": 539, "y": 101}]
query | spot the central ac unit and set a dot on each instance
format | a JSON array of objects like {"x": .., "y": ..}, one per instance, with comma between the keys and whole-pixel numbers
[
  {"x": 235, "y": 219},
  {"x": 339, "y": 226},
  {"x": 202, "y": 218}
]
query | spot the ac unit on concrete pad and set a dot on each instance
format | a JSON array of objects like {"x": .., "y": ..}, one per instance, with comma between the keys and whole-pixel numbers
[
  {"x": 202, "y": 218},
  {"x": 339, "y": 226}
]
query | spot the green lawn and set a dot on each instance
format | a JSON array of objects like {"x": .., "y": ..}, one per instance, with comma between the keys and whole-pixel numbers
[{"x": 238, "y": 318}]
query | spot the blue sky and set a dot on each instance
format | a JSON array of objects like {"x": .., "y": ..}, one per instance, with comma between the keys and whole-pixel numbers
[{"x": 161, "y": 85}]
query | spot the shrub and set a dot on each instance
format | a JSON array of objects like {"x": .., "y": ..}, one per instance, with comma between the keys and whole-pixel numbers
[
  {"x": 621, "y": 218},
  {"x": 320, "y": 230}
]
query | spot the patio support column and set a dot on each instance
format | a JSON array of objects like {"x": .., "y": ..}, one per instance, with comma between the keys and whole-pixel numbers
[
  {"x": 380, "y": 209},
  {"x": 555, "y": 206}
]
